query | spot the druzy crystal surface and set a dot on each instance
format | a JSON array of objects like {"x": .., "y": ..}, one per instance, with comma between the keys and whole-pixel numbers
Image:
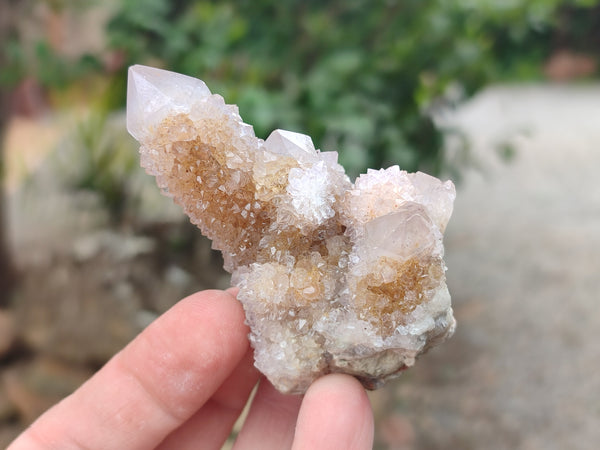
[{"x": 333, "y": 276}]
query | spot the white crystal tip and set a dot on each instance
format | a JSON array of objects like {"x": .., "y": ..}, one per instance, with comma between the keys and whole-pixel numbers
[{"x": 154, "y": 94}]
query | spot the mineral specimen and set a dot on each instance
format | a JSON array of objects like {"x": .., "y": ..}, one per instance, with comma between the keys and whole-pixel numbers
[{"x": 333, "y": 276}]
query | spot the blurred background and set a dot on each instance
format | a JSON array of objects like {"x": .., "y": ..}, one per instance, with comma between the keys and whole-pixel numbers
[{"x": 500, "y": 96}]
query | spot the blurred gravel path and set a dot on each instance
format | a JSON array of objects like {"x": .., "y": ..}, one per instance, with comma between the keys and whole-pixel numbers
[{"x": 523, "y": 251}]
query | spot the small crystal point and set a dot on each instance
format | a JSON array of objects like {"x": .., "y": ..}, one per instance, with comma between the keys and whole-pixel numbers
[
  {"x": 153, "y": 94},
  {"x": 288, "y": 143},
  {"x": 403, "y": 233}
]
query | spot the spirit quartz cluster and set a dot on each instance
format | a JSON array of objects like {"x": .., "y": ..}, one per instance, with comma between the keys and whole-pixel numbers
[{"x": 333, "y": 276}]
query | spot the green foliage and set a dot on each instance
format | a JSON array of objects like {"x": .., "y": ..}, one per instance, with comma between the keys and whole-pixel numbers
[
  {"x": 97, "y": 159},
  {"x": 54, "y": 72},
  {"x": 49, "y": 68},
  {"x": 20, "y": 59},
  {"x": 358, "y": 76},
  {"x": 14, "y": 62}
]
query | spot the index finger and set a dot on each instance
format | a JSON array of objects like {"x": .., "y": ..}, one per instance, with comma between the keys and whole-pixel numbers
[{"x": 153, "y": 385}]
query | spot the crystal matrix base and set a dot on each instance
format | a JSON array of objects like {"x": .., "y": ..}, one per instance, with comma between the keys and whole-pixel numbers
[{"x": 333, "y": 276}]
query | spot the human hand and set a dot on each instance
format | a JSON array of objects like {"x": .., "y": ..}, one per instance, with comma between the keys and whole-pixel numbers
[{"x": 182, "y": 384}]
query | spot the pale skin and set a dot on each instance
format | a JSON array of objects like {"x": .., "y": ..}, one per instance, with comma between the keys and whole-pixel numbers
[{"x": 182, "y": 383}]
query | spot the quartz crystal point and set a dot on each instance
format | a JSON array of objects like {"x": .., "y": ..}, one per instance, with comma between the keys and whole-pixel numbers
[{"x": 333, "y": 276}]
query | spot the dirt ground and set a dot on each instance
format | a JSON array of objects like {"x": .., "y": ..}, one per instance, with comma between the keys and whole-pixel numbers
[{"x": 523, "y": 257}]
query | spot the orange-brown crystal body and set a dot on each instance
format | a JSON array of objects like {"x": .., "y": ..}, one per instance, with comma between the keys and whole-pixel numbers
[{"x": 333, "y": 276}]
